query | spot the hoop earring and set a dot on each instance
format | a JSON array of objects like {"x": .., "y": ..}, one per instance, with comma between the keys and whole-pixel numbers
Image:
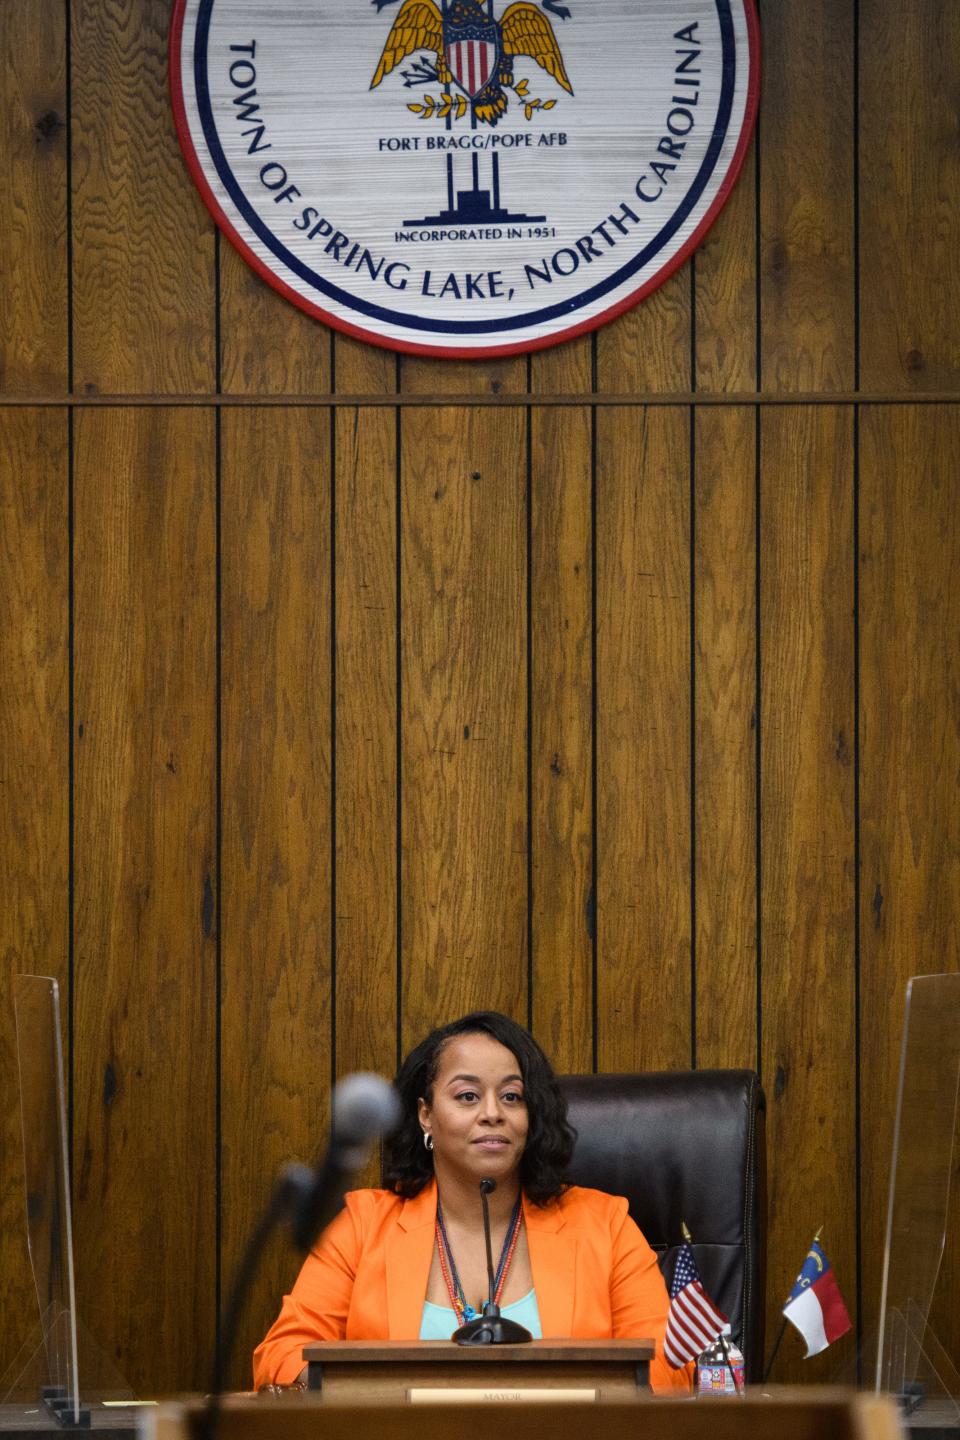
[{"x": 427, "y": 1140}]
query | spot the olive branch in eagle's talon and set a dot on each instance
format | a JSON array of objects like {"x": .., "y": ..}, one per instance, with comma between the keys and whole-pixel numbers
[
  {"x": 454, "y": 105},
  {"x": 521, "y": 91}
]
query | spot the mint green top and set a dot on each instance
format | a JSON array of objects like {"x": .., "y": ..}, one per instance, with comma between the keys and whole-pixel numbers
[{"x": 440, "y": 1321}]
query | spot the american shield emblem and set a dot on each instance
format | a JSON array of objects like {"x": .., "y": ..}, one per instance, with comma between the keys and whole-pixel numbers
[{"x": 472, "y": 53}]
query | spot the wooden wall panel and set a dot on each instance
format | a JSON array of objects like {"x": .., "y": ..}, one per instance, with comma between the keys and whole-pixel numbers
[
  {"x": 725, "y": 292},
  {"x": 725, "y": 734},
  {"x": 33, "y": 200},
  {"x": 808, "y": 304},
  {"x": 146, "y": 902},
  {"x": 361, "y": 369},
  {"x": 648, "y": 348},
  {"x": 423, "y": 376},
  {"x": 366, "y": 716},
  {"x": 267, "y": 345},
  {"x": 276, "y": 962},
  {"x": 463, "y": 714},
  {"x": 561, "y": 819},
  {"x": 366, "y": 700},
  {"x": 910, "y": 178},
  {"x": 808, "y": 861},
  {"x": 379, "y": 614},
  {"x": 643, "y": 738},
  {"x": 143, "y": 246},
  {"x": 909, "y": 763},
  {"x": 34, "y": 792},
  {"x": 564, "y": 369}
]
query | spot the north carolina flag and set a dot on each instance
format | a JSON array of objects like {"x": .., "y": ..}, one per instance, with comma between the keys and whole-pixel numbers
[{"x": 815, "y": 1305}]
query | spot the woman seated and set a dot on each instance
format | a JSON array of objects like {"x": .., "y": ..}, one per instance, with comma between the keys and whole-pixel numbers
[{"x": 480, "y": 1101}]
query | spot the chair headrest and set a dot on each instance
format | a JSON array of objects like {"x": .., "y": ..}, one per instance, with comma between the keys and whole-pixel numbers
[{"x": 680, "y": 1145}]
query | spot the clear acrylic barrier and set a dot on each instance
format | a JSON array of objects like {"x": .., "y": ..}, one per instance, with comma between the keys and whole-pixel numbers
[
  {"x": 43, "y": 1114},
  {"x": 909, "y": 1359},
  {"x": 932, "y": 1389},
  {"x": 56, "y": 1348}
]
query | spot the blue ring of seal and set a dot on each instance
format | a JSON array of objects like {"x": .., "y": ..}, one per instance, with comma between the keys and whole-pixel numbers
[{"x": 463, "y": 327}]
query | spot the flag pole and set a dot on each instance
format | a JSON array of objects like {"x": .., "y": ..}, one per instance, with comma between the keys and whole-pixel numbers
[
  {"x": 686, "y": 1236},
  {"x": 776, "y": 1347},
  {"x": 723, "y": 1344},
  {"x": 783, "y": 1326}
]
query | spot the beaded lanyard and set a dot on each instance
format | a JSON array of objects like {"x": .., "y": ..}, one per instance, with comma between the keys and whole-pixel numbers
[{"x": 448, "y": 1268}]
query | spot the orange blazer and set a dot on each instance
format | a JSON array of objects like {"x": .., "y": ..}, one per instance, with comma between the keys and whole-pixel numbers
[{"x": 595, "y": 1277}]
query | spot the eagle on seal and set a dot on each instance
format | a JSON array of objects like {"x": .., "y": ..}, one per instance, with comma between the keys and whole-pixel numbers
[{"x": 472, "y": 50}]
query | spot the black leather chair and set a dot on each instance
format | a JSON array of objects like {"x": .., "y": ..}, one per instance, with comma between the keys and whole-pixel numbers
[{"x": 685, "y": 1146}]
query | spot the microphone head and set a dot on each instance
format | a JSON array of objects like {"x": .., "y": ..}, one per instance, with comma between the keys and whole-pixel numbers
[
  {"x": 365, "y": 1106},
  {"x": 487, "y": 1187}
]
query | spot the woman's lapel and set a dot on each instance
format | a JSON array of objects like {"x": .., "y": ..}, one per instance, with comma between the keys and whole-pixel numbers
[
  {"x": 553, "y": 1263},
  {"x": 409, "y": 1250}
]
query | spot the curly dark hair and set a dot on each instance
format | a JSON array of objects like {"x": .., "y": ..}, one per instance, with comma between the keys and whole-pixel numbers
[{"x": 550, "y": 1137}]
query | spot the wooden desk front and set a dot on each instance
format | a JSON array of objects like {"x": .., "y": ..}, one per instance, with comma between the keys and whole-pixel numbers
[
  {"x": 387, "y": 1372},
  {"x": 797, "y": 1415}
]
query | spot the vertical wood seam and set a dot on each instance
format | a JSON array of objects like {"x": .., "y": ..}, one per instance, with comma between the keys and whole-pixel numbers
[
  {"x": 693, "y": 322},
  {"x": 398, "y": 726},
  {"x": 857, "y": 1091},
  {"x": 757, "y": 722},
  {"x": 69, "y": 237},
  {"x": 71, "y": 772},
  {"x": 71, "y": 758},
  {"x": 218, "y": 860},
  {"x": 594, "y": 860},
  {"x": 217, "y": 319},
  {"x": 757, "y": 248},
  {"x": 692, "y": 488},
  {"x": 856, "y": 202},
  {"x": 332, "y": 533},
  {"x": 530, "y": 811}
]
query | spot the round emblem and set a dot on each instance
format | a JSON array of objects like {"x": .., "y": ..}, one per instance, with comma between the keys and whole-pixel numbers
[{"x": 465, "y": 177}]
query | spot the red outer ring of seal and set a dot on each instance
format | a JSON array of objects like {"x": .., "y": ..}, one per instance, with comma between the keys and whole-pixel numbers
[{"x": 521, "y": 347}]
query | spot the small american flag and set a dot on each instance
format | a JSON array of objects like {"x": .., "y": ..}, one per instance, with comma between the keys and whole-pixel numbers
[{"x": 694, "y": 1322}]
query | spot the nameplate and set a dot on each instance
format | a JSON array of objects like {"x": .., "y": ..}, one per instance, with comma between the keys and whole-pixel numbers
[{"x": 443, "y": 1395}]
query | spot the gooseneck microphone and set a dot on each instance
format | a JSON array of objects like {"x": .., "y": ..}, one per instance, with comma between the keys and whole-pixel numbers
[
  {"x": 490, "y": 1328},
  {"x": 487, "y": 1187},
  {"x": 364, "y": 1107}
]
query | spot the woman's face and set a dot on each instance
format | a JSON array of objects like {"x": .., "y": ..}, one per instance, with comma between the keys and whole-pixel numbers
[{"x": 478, "y": 1113}]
